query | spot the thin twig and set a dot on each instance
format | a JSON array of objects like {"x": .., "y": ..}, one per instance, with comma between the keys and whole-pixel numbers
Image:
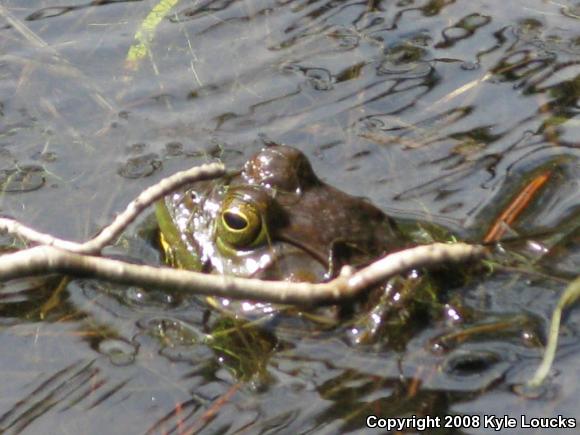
[
  {"x": 113, "y": 230},
  {"x": 48, "y": 259},
  {"x": 516, "y": 206},
  {"x": 62, "y": 256}
]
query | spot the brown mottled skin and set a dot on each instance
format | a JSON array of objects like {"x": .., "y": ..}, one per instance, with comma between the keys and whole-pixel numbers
[{"x": 332, "y": 226}]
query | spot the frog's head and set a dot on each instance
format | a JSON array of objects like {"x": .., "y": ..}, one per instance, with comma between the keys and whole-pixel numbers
[
  {"x": 248, "y": 236},
  {"x": 275, "y": 219}
]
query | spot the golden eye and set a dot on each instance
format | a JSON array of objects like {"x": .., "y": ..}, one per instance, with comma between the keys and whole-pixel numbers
[
  {"x": 239, "y": 226},
  {"x": 242, "y": 222}
]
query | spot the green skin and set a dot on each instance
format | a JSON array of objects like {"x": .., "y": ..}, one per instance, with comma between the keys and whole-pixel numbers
[{"x": 274, "y": 219}]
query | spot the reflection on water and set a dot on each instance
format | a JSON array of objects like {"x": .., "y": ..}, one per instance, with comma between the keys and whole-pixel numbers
[{"x": 441, "y": 111}]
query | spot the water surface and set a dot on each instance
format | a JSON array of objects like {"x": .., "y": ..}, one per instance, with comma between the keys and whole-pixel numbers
[{"x": 435, "y": 110}]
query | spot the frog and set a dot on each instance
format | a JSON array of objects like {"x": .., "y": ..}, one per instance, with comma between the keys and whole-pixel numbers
[{"x": 274, "y": 219}]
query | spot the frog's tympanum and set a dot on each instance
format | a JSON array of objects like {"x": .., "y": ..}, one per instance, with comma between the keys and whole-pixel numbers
[{"x": 274, "y": 219}]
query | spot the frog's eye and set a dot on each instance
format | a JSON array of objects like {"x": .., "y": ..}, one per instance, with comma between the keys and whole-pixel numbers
[{"x": 240, "y": 226}]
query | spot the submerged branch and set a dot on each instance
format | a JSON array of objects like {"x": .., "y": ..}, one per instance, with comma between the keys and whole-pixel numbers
[{"x": 49, "y": 259}]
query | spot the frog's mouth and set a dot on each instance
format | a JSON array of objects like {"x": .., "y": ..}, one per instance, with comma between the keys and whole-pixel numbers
[
  {"x": 307, "y": 250},
  {"x": 278, "y": 261},
  {"x": 338, "y": 253}
]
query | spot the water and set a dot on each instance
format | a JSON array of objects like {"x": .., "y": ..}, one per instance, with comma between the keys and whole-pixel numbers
[{"x": 435, "y": 110}]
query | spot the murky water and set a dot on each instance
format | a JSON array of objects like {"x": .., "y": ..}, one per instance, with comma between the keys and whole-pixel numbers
[{"x": 436, "y": 110}]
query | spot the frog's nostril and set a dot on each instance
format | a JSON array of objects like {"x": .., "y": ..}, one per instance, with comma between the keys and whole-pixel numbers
[{"x": 235, "y": 221}]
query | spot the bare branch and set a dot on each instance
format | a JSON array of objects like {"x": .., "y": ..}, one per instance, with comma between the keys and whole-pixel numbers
[
  {"x": 17, "y": 229},
  {"x": 48, "y": 259},
  {"x": 81, "y": 259},
  {"x": 135, "y": 207},
  {"x": 148, "y": 197}
]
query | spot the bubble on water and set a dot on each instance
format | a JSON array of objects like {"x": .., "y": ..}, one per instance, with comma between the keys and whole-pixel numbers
[
  {"x": 529, "y": 28},
  {"x": 173, "y": 332},
  {"x": 137, "y": 296},
  {"x": 140, "y": 166},
  {"x": 406, "y": 70},
  {"x": 405, "y": 61},
  {"x": 22, "y": 179},
  {"x": 470, "y": 66},
  {"x": 48, "y": 156},
  {"x": 173, "y": 149},
  {"x": 405, "y": 53},
  {"x": 136, "y": 148},
  {"x": 319, "y": 78},
  {"x": 119, "y": 352},
  {"x": 454, "y": 33},
  {"x": 346, "y": 38},
  {"x": 475, "y": 21}
]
